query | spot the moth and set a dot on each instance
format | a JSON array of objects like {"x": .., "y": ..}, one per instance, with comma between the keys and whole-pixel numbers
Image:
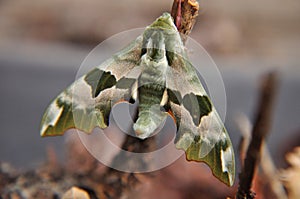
[{"x": 155, "y": 72}]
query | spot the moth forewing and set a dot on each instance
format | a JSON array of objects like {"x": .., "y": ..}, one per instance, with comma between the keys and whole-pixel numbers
[
  {"x": 87, "y": 103},
  {"x": 200, "y": 131}
]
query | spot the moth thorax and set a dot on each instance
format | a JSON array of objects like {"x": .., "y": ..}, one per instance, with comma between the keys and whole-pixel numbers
[{"x": 155, "y": 46}]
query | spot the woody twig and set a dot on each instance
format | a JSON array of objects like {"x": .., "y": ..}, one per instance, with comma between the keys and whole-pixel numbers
[{"x": 260, "y": 131}]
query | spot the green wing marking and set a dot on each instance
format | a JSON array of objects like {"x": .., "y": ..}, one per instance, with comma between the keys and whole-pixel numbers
[
  {"x": 197, "y": 106},
  {"x": 99, "y": 80}
]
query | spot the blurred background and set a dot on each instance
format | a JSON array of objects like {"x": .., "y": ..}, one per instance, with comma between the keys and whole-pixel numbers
[{"x": 42, "y": 44}]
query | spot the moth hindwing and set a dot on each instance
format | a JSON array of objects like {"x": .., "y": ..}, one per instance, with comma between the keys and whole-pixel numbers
[{"x": 155, "y": 70}]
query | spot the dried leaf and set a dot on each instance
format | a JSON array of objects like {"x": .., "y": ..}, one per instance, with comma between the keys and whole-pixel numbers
[
  {"x": 76, "y": 193},
  {"x": 291, "y": 175}
]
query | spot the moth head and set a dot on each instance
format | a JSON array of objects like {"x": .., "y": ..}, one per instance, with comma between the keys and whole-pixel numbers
[
  {"x": 165, "y": 22},
  {"x": 157, "y": 36}
]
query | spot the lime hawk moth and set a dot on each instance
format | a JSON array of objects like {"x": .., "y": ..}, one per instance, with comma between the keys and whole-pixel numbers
[{"x": 155, "y": 72}]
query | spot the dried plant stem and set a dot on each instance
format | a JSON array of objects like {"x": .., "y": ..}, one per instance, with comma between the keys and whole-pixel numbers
[
  {"x": 259, "y": 133},
  {"x": 245, "y": 127},
  {"x": 267, "y": 166},
  {"x": 185, "y": 13},
  {"x": 271, "y": 173}
]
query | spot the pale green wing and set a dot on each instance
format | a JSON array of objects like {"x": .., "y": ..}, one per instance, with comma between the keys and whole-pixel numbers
[
  {"x": 87, "y": 103},
  {"x": 200, "y": 131}
]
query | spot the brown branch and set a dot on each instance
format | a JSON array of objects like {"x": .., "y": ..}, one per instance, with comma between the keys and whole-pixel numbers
[
  {"x": 259, "y": 133},
  {"x": 269, "y": 171},
  {"x": 185, "y": 13}
]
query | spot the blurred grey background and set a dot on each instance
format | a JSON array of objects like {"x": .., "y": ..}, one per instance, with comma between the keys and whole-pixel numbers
[{"x": 42, "y": 44}]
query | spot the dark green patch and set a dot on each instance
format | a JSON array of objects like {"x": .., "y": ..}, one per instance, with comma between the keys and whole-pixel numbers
[
  {"x": 125, "y": 83},
  {"x": 99, "y": 80},
  {"x": 174, "y": 96},
  {"x": 170, "y": 57},
  {"x": 198, "y": 106}
]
